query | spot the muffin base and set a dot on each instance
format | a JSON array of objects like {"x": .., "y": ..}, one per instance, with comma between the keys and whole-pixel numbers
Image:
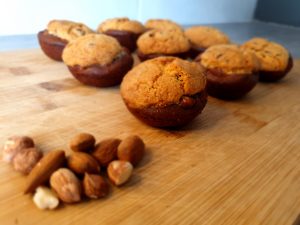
[
  {"x": 272, "y": 76},
  {"x": 103, "y": 76},
  {"x": 196, "y": 51},
  {"x": 174, "y": 115},
  {"x": 126, "y": 38},
  {"x": 144, "y": 57},
  {"x": 51, "y": 45},
  {"x": 233, "y": 86}
]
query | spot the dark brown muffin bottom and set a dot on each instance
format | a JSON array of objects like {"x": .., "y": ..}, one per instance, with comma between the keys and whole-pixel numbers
[{"x": 126, "y": 38}]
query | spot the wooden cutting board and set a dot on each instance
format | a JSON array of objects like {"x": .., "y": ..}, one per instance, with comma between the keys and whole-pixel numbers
[{"x": 238, "y": 163}]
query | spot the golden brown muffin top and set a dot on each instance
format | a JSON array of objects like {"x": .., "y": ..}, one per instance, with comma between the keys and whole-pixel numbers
[
  {"x": 272, "y": 56},
  {"x": 92, "y": 49},
  {"x": 204, "y": 37},
  {"x": 67, "y": 30},
  {"x": 230, "y": 59},
  {"x": 122, "y": 24},
  {"x": 162, "y": 24},
  {"x": 164, "y": 42},
  {"x": 162, "y": 81}
]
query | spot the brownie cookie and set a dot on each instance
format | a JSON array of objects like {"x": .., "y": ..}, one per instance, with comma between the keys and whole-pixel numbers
[
  {"x": 230, "y": 71},
  {"x": 156, "y": 43},
  {"x": 165, "y": 91},
  {"x": 124, "y": 30},
  {"x": 162, "y": 24},
  {"x": 275, "y": 60},
  {"x": 202, "y": 37},
  {"x": 58, "y": 34},
  {"x": 97, "y": 60}
]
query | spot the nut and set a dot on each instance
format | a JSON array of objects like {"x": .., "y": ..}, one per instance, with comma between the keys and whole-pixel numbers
[
  {"x": 80, "y": 163},
  {"x": 45, "y": 198},
  {"x": 15, "y": 144},
  {"x": 67, "y": 186},
  {"x": 43, "y": 169},
  {"x": 119, "y": 171},
  {"x": 26, "y": 159},
  {"x": 131, "y": 149},
  {"x": 82, "y": 142},
  {"x": 95, "y": 186},
  {"x": 106, "y": 151}
]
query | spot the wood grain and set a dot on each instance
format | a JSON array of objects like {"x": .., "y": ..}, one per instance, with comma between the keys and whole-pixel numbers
[{"x": 237, "y": 163}]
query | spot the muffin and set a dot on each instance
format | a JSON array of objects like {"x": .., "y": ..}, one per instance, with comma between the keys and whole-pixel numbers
[
  {"x": 230, "y": 71},
  {"x": 97, "y": 60},
  {"x": 202, "y": 37},
  {"x": 165, "y": 91},
  {"x": 162, "y": 24},
  {"x": 275, "y": 60},
  {"x": 156, "y": 43},
  {"x": 124, "y": 30},
  {"x": 58, "y": 34}
]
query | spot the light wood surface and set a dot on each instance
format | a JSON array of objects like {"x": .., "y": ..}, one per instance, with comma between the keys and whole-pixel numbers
[{"x": 236, "y": 164}]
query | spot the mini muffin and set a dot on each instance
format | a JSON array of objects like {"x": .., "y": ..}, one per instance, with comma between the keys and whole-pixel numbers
[
  {"x": 58, "y": 34},
  {"x": 156, "y": 43},
  {"x": 202, "y": 37},
  {"x": 124, "y": 30},
  {"x": 230, "y": 71},
  {"x": 275, "y": 60},
  {"x": 97, "y": 60},
  {"x": 162, "y": 24},
  {"x": 165, "y": 91}
]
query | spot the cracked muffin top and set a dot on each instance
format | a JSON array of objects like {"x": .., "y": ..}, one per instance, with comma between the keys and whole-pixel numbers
[
  {"x": 204, "y": 37},
  {"x": 162, "y": 81},
  {"x": 272, "y": 56},
  {"x": 162, "y": 24},
  {"x": 230, "y": 59},
  {"x": 164, "y": 42},
  {"x": 123, "y": 24},
  {"x": 92, "y": 49},
  {"x": 67, "y": 30}
]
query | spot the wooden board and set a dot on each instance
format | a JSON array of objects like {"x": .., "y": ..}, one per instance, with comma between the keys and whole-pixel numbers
[{"x": 236, "y": 164}]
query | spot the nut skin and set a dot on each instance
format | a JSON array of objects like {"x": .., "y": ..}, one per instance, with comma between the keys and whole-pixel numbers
[
  {"x": 15, "y": 144},
  {"x": 95, "y": 186},
  {"x": 131, "y": 149},
  {"x": 82, "y": 142},
  {"x": 119, "y": 172},
  {"x": 67, "y": 186},
  {"x": 26, "y": 159},
  {"x": 106, "y": 151},
  {"x": 80, "y": 163}
]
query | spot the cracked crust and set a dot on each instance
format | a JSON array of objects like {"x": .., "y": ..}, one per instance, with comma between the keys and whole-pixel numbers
[
  {"x": 67, "y": 30},
  {"x": 204, "y": 37},
  {"x": 163, "y": 42},
  {"x": 123, "y": 24},
  {"x": 272, "y": 56},
  {"x": 162, "y": 81},
  {"x": 162, "y": 24},
  {"x": 92, "y": 49}
]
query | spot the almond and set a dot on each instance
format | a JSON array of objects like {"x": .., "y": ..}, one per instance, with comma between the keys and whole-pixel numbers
[
  {"x": 95, "y": 186},
  {"x": 43, "y": 169},
  {"x": 80, "y": 163},
  {"x": 119, "y": 172},
  {"x": 82, "y": 142}
]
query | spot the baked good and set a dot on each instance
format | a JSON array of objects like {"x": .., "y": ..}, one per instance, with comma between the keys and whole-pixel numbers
[
  {"x": 231, "y": 72},
  {"x": 202, "y": 37},
  {"x": 58, "y": 33},
  {"x": 124, "y": 30},
  {"x": 165, "y": 91},
  {"x": 156, "y": 43},
  {"x": 275, "y": 60},
  {"x": 162, "y": 24},
  {"x": 97, "y": 60}
]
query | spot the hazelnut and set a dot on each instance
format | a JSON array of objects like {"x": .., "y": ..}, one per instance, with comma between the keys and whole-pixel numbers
[
  {"x": 66, "y": 185},
  {"x": 119, "y": 171},
  {"x": 45, "y": 198},
  {"x": 106, "y": 151},
  {"x": 83, "y": 142},
  {"x": 15, "y": 144},
  {"x": 131, "y": 149},
  {"x": 95, "y": 186},
  {"x": 26, "y": 159},
  {"x": 80, "y": 163}
]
